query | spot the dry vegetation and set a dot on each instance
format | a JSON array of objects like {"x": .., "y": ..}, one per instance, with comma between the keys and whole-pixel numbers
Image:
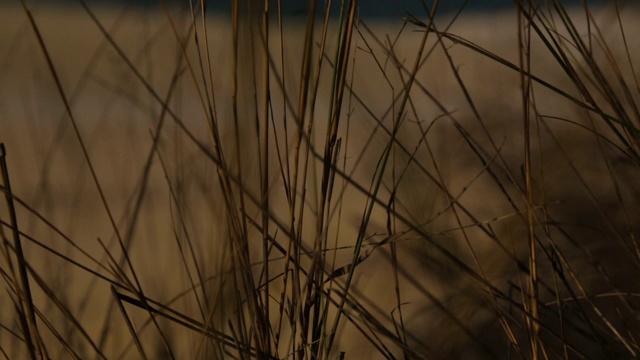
[{"x": 249, "y": 185}]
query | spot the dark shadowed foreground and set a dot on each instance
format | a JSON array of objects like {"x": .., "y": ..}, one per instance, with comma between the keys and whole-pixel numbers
[{"x": 249, "y": 186}]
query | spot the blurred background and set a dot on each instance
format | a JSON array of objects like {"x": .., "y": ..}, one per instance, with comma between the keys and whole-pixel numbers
[{"x": 126, "y": 87}]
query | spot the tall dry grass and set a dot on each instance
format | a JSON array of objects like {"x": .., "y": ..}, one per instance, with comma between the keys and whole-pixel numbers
[{"x": 183, "y": 184}]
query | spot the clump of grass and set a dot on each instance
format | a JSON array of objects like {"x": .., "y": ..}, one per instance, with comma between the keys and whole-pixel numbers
[{"x": 248, "y": 185}]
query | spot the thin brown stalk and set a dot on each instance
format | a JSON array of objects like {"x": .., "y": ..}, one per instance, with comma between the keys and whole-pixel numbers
[
  {"x": 264, "y": 318},
  {"x": 132, "y": 331},
  {"x": 27, "y": 314},
  {"x": 524, "y": 46}
]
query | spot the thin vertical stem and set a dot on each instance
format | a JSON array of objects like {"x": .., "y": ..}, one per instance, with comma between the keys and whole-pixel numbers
[
  {"x": 524, "y": 46},
  {"x": 264, "y": 179},
  {"x": 28, "y": 319}
]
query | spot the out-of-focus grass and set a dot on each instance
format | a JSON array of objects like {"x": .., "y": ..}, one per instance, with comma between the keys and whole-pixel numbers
[{"x": 190, "y": 185}]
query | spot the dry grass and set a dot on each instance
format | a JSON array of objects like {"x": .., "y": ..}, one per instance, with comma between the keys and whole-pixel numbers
[{"x": 240, "y": 185}]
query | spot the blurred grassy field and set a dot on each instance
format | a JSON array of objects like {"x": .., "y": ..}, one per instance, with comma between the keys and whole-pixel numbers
[{"x": 423, "y": 191}]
